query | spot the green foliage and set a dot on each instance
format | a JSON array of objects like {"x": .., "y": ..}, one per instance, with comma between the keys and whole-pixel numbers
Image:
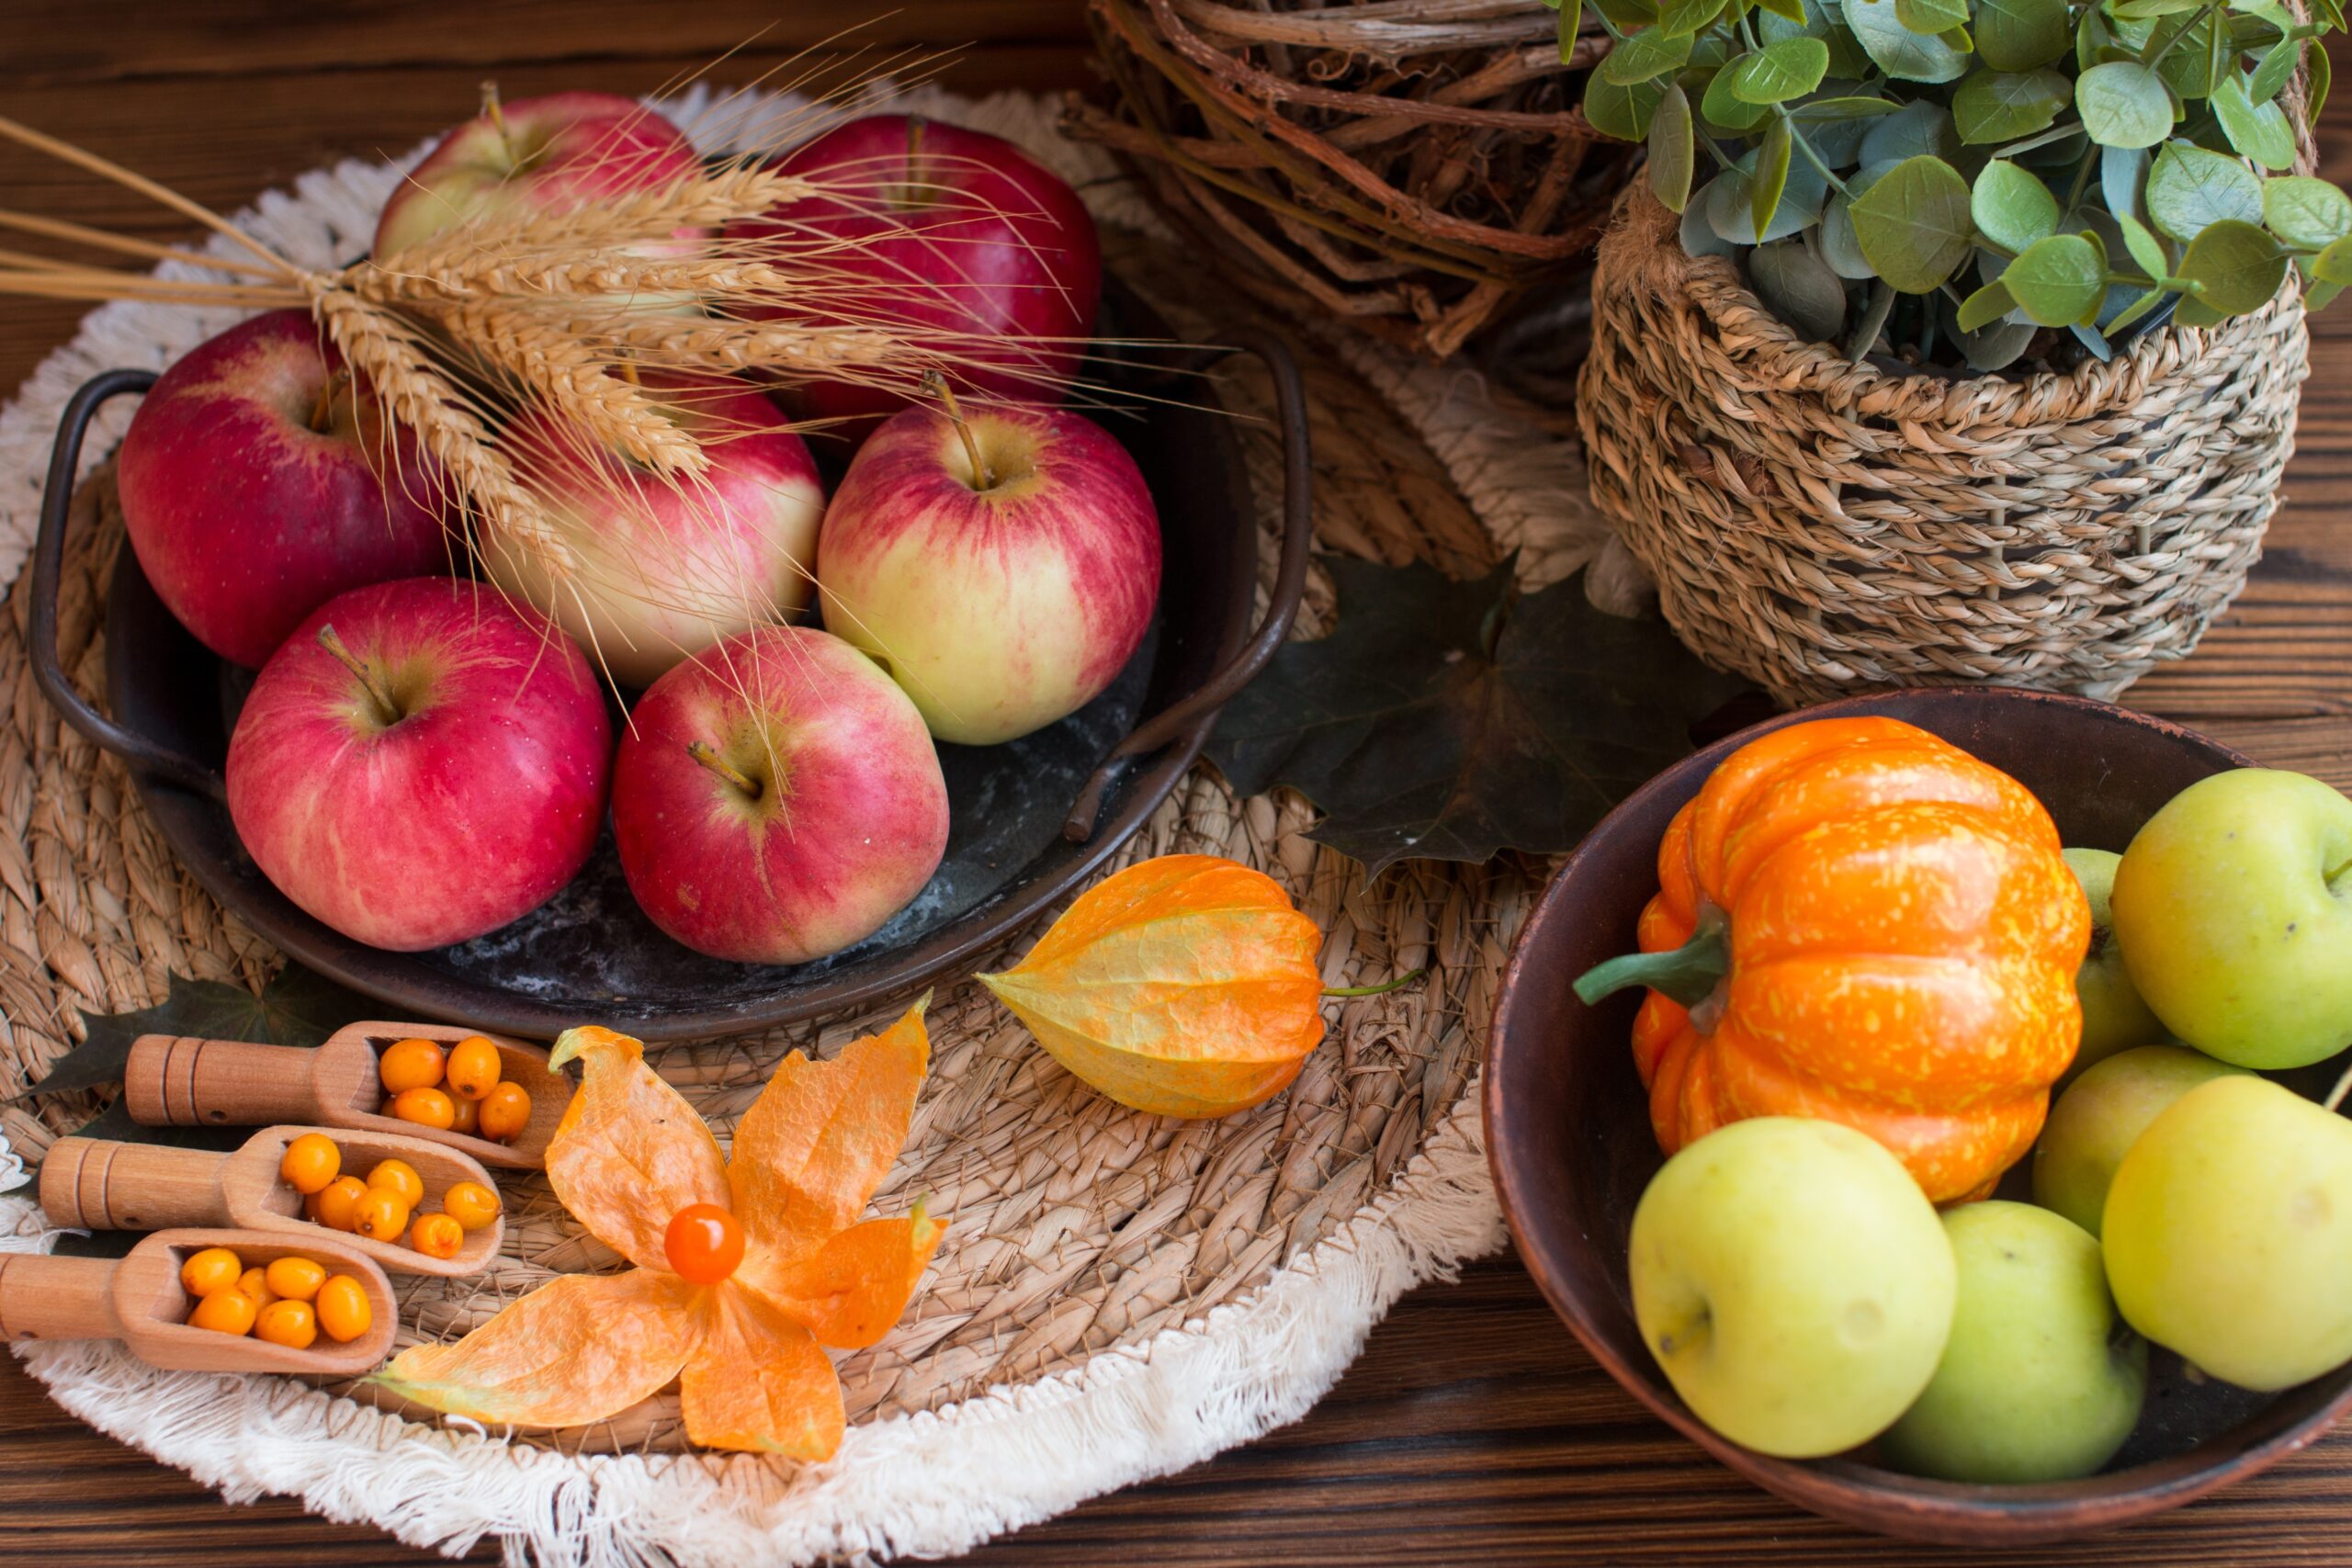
[{"x": 1957, "y": 179}]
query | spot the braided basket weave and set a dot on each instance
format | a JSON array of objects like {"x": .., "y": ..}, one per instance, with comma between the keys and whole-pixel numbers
[{"x": 1823, "y": 526}]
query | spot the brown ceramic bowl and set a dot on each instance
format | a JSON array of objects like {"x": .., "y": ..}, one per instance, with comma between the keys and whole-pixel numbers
[{"x": 1567, "y": 1130}]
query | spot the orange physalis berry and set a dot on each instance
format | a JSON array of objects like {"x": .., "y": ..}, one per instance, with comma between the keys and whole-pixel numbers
[
  {"x": 296, "y": 1279},
  {"x": 311, "y": 1162},
  {"x": 704, "y": 1244},
  {"x": 211, "y": 1271},
  {"x": 473, "y": 1067},
  {"x": 505, "y": 1111},
  {"x": 291, "y": 1323},
  {"x": 339, "y": 1203},
  {"x": 471, "y": 1205},
  {"x": 342, "y": 1308},
  {"x": 254, "y": 1283},
  {"x": 381, "y": 1215},
  {"x": 425, "y": 1107},
  {"x": 410, "y": 1064},
  {"x": 399, "y": 1176},
  {"x": 436, "y": 1235},
  {"x": 225, "y": 1311},
  {"x": 467, "y": 1119}
]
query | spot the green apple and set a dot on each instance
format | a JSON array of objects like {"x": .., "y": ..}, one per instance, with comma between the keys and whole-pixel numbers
[
  {"x": 2114, "y": 1018},
  {"x": 2229, "y": 1232},
  {"x": 2234, "y": 908},
  {"x": 2040, "y": 1382},
  {"x": 1793, "y": 1283},
  {"x": 2100, "y": 1116}
]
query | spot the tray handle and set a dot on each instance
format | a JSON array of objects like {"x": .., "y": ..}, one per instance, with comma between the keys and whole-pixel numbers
[
  {"x": 1282, "y": 608},
  {"x": 49, "y": 567}
]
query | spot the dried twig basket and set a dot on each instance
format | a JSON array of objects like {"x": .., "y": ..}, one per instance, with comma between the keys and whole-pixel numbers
[
  {"x": 1823, "y": 526},
  {"x": 1407, "y": 165}
]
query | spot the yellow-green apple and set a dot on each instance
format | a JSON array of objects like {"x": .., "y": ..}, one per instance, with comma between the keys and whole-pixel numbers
[
  {"x": 550, "y": 154},
  {"x": 2100, "y": 1116},
  {"x": 2038, "y": 1381},
  {"x": 1793, "y": 1283},
  {"x": 2229, "y": 1232},
  {"x": 1003, "y": 566},
  {"x": 946, "y": 232},
  {"x": 2114, "y": 1018},
  {"x": 656, "y": 569},
  {"x": 259, "y": 480},
  {"x": 2233, "y": 907},
  {"x": 776, "y": 799},
  {"x": 421, "y": 762}
]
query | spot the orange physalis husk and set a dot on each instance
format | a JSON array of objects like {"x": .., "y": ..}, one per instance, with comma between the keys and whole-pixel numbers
[
  {"x": 748, "y": 1352},
  {"x": 1184, "y": 985}
]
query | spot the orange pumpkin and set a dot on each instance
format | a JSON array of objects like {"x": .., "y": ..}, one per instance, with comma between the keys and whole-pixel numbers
[{"x": 1860, "y": 922}]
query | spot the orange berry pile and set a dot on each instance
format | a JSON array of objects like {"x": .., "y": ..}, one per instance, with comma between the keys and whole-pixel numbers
[
  {"x": 386, "y": 1204},
  {"x": 287, "y": 1302},
  {"x": 457, "y": 1091}
]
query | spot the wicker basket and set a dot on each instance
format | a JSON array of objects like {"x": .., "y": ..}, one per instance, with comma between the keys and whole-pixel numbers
[
  {"x": 1823, "y": 526},
  {"x": 1407, "y": 165}
]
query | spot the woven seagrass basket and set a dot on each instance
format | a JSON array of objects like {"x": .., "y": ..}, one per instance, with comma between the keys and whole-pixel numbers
[
  {"x": 1409, "y": 167},
  {"x": 1823, "y": 526}
]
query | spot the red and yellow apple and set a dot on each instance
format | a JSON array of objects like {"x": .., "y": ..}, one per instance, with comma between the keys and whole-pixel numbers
[
  {"x": 420, "y": 764},
  {"x": 657, "y": 570},
  {"x": 1002, "y": 566},
  {"x": 550, "y": 154},
  {"x": 776, "y": 799},
  {"x": 251, "y": 487}
]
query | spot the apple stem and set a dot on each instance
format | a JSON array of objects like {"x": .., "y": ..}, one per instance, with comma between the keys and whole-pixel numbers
[
  {"x": 1382, "y": 989},
  {"x": 703, "y": 752},
  {"x": 2336, "y": 1096},
  {"x": 323, "y": 408},
  {"x": 983, "y": 477},
  {"x": 910, "y": 193},
  {"x": 496, "y": 113},
  {"x": 1689, "y": 973},
  {"x": 368, "y": 679}
]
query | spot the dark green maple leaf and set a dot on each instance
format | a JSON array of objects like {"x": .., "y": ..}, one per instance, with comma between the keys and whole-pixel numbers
[
  {"x": 298, "y": 1008},
  {"x": 1447, "y": 720}
]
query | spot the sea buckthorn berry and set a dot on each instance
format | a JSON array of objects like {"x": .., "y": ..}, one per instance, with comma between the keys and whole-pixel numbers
[
  {"x": 704, "y": 1242},
  {"x": 410, "y": 1064},
  {"x": 211, "y": 1271},
  {"x": 344, "y": 1311},
  {"x": 473, "y": 1067},
  {"x": 425, "y": 1107},
  {"x": 291, "y": 1323},
  {"x": 311, "y": 1162},
  {"x": 339, "y": 1203},
  {"x": 296, "y": 1279},
  {"x": 254, "y": 1283},
  {"x": 225, "y": 1311},
  {"x": 399, "y": 1176},
  {"x": 505, "y": 1111},
  {"x": 381, "y": 1215},
  {"x": 467, "y": 1119},
  {"x": 436, "y": 1235},
  {"x": 471, "y": 1205}
]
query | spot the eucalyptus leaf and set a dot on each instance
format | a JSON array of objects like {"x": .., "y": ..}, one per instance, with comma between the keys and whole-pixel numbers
[
  {"x": 2318, "y": 295},
  {"x": 2190, "y": 187},
  {"x": 1683, "y": 17},
  {"x": 2122, "y": 176},
  {"x": 2192, "y": 66},
  {"x": 1671, "y": 150},
  {"x": 1915, "y": 129},
  {"x": 1731, "y": 202},
  {"x": 2141, "y": 10},
  {"x": 1900, "y": 52},
  {"x": 2146, "y": 248},
  {"x": 1719, "y": 106},
  {"x": 1788, "y": 10},
  {"x": 2333, "y": 264},
  {"x": 2093, "y": 339},
  {"x": 1931, "y": 17},
  {"x": 1624, "y": 16},
  {"x": 1779, "y": 72},
  {"x": 2308, "y": 213},
  {"x": 2277, "y": 68},
  {"x": 1994, "y": 348},
  {"x": 1839, "y": 250},
  {"x": 2012, "y": 207},
  {"x": 1825, "y": 21},
  {"x": 1622, "y": 112},
  {"x": 2137, "y": 311},
  {"x": 1770, "y": 175},
  {"x": 2021, "y": 35},
  {"x": 2001, "y": 105},
  {"x": 1874, "y": 321},
  {"x": 1985, "y": 307},
  {"x": 2124, "y": 104},
  {"x": 1828, "y": 111},
  {"x": 1913, "y": 224},
  {"x": 2058, "y": 280},
  {"x": 2259, "y": 130},
  {"x": 1698, "y": 236},
  {"x": 1643, "y": 56},
  {"x": 1799, "y": 287},
  {"x": 2194, "y": 313},
  {"x": 2318, "y": 73},
  {"x": 2238, "y": 266}
]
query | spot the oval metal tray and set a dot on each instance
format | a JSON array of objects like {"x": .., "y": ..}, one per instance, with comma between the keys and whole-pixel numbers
[{"x": 1029, "y": 819}]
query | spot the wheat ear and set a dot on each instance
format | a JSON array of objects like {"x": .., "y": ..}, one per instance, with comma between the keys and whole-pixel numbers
[{"x": 551, "y": 362}]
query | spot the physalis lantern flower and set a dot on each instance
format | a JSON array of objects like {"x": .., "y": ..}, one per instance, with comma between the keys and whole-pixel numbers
[{"x": 747, "y": 1268}]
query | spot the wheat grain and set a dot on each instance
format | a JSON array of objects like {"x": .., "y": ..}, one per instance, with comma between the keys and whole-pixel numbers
[
  {"x": 747, "y": 345},
  {"x": 551, "y": 361}
]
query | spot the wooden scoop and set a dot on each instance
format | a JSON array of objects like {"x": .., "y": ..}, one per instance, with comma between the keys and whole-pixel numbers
[
  {"x": 99, "y": 1184},
  {"x": 139, "y": 1301},
  {"x": 180, "y": 1081}
]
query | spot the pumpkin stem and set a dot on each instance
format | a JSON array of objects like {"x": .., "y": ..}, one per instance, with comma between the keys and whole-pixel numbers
[
  {"x": 1382, "y": 989},
  {"x": 1689, "y": 973}
]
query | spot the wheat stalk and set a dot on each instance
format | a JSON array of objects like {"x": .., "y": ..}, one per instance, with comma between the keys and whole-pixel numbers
[
  {"x": 753, "y": 345},
  {"x": 552, "y": 362}
]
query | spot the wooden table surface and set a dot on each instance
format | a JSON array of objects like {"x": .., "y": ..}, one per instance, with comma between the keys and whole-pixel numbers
[{"x": 1474, "y": 1428}]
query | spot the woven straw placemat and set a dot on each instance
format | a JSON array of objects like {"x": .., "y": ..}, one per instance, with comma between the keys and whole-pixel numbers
[{"x": 1119, "y": 1295}]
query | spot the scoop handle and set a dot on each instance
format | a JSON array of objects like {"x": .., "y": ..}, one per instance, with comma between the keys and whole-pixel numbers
[
  {"x": 46, "y": 1297},
  {"x": 99, "y": 1184},
  {"x": 177, "y": 1080}
]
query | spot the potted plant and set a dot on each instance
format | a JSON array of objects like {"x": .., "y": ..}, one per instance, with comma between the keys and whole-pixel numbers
[{"x": 1955, "y": 339}]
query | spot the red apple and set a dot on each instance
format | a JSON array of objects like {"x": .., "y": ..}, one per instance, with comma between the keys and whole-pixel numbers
[
  {"x": 661, "y": 570},
  {"x": 421, "y": 762},
  {"x": 955, "y": 231},
  {"x": 250, "y": 488},
  {"x": 1003, "y": 572},
  {"x": 546, "y": 154},
  {"x": 776, "y": 799}
]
